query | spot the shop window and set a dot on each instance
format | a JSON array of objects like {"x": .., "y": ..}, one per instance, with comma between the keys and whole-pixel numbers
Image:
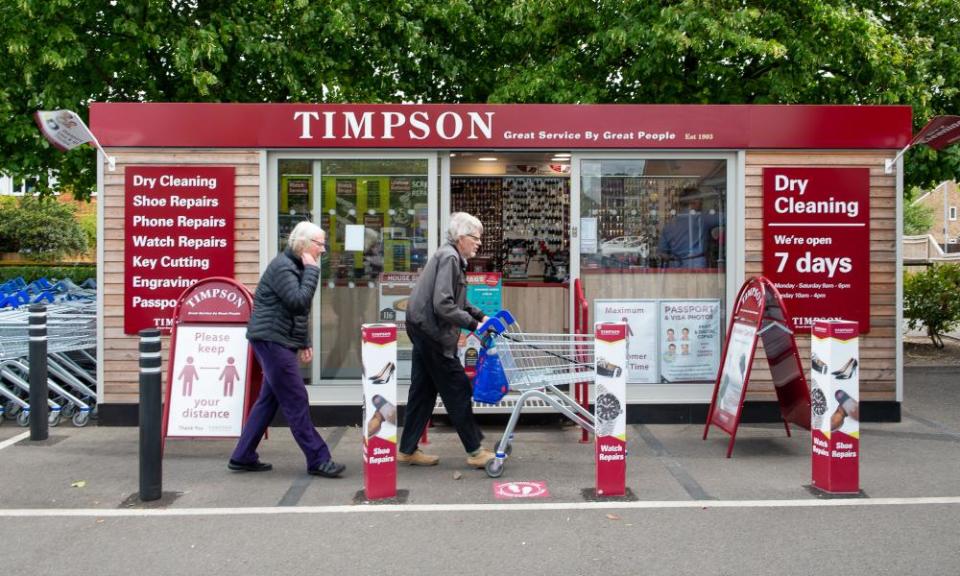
[
  {"x": 953, "y": 213},
  {"x": 653, "y": 244}
]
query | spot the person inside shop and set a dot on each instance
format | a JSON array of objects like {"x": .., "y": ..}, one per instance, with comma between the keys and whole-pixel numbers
[
  {"x": 685, "y": 238},
  {"x": 437, "y": 310},
  {"x": 279, "y": 333}
]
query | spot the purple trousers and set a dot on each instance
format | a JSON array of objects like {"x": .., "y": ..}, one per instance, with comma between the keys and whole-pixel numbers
[{"x": 282, "y": 388}]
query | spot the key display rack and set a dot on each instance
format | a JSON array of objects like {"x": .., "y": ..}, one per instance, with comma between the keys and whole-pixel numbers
[{"x": 525, "y": 220}]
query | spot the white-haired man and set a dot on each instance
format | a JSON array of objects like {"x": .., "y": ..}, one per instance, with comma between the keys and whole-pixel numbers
[{"x": 436, "y": 311}]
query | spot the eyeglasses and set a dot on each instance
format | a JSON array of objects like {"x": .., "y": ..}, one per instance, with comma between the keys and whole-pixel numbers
[
  {"x": 477, "y": 238},
  {"x": 318, "y": 243}
]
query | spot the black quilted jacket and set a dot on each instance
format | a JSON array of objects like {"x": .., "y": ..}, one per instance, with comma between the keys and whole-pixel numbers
[{"x": 281, "y": 304}]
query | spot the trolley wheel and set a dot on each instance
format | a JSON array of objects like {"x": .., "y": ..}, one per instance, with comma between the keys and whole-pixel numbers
[
  {"x": 68, "y": 411},
  {"x": 81, "y": 418},
  {"x": 23, "y": 418},
  {"x": 11, "y": 410},
  {"x": 494, "y": 468},
  {"x": 54, "y": 418},
  {"x": 2, "y": 419},
  {"x": 94, "y": 413},
  {"x": 509, "y": 449}
]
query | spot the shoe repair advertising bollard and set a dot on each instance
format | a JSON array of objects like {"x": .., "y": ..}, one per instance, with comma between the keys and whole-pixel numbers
[
  {"x": 610, "y": 386},
  {"x": 379, "y": 360},
  {"x": 835, "y": 406}
]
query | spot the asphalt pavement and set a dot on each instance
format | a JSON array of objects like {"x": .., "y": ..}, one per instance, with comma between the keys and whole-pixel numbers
[{"x": 71, "y": 502}]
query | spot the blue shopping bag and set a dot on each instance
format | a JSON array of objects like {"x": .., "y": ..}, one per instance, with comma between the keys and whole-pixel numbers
[{"x": 490, "y": 384}]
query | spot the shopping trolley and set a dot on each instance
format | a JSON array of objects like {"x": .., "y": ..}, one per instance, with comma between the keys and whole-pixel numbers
[{"x": 536, "y": 366}]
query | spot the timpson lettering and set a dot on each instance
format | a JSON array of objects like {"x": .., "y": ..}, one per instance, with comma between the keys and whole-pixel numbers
[
  {"x": 420, "y": 125},
  {"x": 752, "y": 292},
  {"x": 230, "y": 296}
]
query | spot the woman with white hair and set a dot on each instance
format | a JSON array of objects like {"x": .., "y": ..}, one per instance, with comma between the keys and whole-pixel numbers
[
  {"x": 279, "y": 333},
  {"x": 436, "y": 311}
]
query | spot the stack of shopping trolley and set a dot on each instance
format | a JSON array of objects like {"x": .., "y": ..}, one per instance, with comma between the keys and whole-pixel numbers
[{"x": 71, "y": 350}]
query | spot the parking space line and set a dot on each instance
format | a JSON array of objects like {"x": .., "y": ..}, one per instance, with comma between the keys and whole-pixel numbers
[
  {"x": 14, "y": 440},
  {"x": 300, "y": 485},
  {"x": 465, "y": 508},
  {"x": 693, "y": 488}
]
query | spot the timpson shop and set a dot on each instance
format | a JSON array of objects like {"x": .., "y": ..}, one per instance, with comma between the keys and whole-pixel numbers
[{"x": 660, "y": 212}]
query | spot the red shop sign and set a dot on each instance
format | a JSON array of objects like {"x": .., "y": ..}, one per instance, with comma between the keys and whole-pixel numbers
[
  {"x": 759, "y": 313},
  {"x": 816, "y": 243},
  {"x": 178, "y": 228},
  {"x": 508, "y": 126}
]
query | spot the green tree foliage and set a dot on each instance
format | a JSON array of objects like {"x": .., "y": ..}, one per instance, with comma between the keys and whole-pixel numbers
[
  {"x": 42, "y": 228},
  {"x": 931, "y": 300},
  {"x": 65, "y": 54},
  {"x": 917, "y": 219}
]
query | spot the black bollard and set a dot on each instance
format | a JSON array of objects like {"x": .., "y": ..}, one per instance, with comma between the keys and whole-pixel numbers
[
  {"x": 39, "y": 409},
  {"x": 151, "y": 409}
]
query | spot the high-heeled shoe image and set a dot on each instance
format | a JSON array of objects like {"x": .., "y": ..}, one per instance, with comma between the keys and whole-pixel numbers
[
  {"x": 818, "y": 364},
  {"x": 607, "y": 368},
  {"x": 848, "y": 370},
  {"x": 383, "y": 376}
]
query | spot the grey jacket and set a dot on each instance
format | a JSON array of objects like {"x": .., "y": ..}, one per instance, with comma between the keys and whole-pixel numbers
[
  {"x": 281, "y": 304},
  {"x": 438, "y": 305}
]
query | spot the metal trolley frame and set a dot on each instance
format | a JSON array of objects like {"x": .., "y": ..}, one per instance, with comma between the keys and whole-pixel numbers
[{"x": 536, "y": 366}]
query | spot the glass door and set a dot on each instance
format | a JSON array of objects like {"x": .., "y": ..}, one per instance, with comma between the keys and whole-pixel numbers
[{"x": 378, "y": 212}]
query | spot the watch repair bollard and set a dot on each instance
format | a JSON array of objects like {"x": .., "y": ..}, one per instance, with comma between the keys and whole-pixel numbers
[
  {"x": 39, "y": 409},
  {"x": 151, "y": 409},
  {"x": 610, "y": 402}
]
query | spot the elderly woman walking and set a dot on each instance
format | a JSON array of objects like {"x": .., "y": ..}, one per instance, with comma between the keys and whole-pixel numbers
[
  {"x": 436, "y": 312},
  {"x": 279, "y": 333}
]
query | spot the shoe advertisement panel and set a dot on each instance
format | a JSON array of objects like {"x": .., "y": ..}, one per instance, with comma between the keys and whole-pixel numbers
[
  {"x": 835, "y": 399},
  {"x": 379, "y": 358},
  {"x": 610, "y": 401},
  {"x": 689, "y": 336},
  {"x": 640, "y": 318}
]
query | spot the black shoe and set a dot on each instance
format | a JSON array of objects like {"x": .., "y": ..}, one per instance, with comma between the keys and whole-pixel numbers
[
  {"x": 252, "y": 467},
  {"x": 328, "y": 469}
]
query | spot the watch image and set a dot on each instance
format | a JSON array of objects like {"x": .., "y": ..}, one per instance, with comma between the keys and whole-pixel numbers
[{"x": 607, "y": 410}]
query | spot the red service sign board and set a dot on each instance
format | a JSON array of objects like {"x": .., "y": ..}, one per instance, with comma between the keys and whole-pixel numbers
[
  {"x": 179, "y": 229},
  {"x": 816, "y": 245}
]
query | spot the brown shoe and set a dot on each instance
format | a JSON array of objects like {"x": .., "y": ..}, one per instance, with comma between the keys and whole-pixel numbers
[
  {"x": 481, "y": 458},
  {"x": 418, "y": 458}
]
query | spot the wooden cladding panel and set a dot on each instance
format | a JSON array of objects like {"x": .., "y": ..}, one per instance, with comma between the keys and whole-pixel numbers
[
  {"x": 878, "y": 348},
  {"x": 120, "y": 357}
]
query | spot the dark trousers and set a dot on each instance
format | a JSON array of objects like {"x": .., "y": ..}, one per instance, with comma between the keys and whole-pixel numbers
[
  {"x": 283, "y": 387},
  {"x": 431, "y": 373}
]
